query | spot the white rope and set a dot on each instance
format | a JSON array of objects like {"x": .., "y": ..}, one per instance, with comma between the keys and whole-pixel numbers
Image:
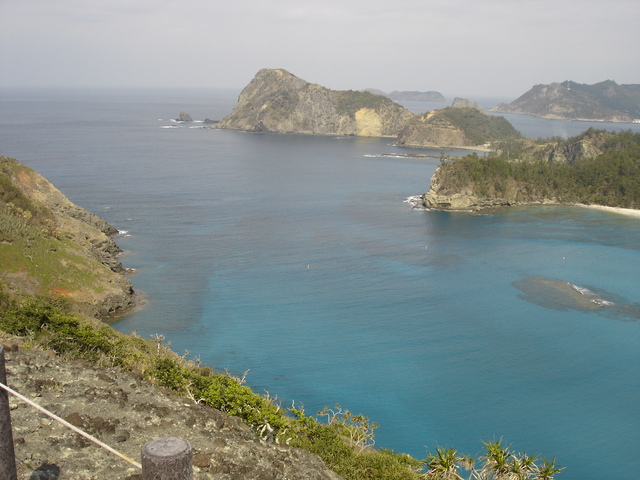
[{"x": 72, "y": 427}]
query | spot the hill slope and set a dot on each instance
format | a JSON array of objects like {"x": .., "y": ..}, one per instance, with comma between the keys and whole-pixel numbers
[
  {"x": 455, "y": 127},
  {"x": 596, "y": 167},
  {"x": 50, "y": 246},
  {"x": 604, "y": 101},
  {"x": 276, "y": 101}
]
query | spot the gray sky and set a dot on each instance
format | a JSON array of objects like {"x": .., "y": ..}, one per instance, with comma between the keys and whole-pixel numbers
[{"x": 458, "y": 47}]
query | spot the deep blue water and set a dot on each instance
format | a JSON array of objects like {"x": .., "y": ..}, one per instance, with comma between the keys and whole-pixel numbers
[{"x": 296, "y": 258}]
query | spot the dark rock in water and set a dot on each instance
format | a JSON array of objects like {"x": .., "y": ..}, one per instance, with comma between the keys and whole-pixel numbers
[
  {"x": 185, "y": 117},
  {"x": 208, "y": 121},
  {"x": 562, "y": 295}
]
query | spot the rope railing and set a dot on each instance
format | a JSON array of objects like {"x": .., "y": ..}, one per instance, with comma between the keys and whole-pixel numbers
[
  {"x": 70, "y": 426},
  {"x": 167, "y": 458}
]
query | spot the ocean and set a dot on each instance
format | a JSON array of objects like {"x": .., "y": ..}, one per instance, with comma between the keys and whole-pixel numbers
[{"x": 296, "y": 259}]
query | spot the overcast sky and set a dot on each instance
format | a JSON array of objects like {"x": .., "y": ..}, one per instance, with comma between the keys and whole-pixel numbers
[{"x": 458, "y": 47}]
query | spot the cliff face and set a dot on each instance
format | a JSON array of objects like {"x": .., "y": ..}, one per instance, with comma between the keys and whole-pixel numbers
[
  {"x": 50, "y": 246},
  {"x": 276, "y": 101},
  {"x": 461, "y": 197},
  {"x": 605, "y": 101}
]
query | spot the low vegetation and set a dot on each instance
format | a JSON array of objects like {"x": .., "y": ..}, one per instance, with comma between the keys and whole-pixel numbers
[
  {"x": 33, "y": 249},
  {"x": 348, "y": 102},
  {"x": 610, "y": 178}
]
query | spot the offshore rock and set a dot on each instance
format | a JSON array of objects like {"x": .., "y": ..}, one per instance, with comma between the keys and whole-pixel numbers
[
  {"x": 185, "y": 117},
  {"x": 276, "y": 101}
]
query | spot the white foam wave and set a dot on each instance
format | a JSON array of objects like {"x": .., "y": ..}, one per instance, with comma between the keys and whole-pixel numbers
[
  {"x": 415, "y": 201},
  {"x": 580, "y": 290},
  {"x": 593, "y": 297}
]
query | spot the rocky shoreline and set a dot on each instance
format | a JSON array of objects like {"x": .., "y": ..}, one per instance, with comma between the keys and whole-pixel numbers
[{"x": 124, "y": 411}]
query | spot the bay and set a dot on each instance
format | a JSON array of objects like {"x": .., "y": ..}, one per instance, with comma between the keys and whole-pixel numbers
[{"x": 297, "y": 259}]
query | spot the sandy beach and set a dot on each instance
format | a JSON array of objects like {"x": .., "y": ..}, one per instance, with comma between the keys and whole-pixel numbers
[{"x": 629, "y": 212}]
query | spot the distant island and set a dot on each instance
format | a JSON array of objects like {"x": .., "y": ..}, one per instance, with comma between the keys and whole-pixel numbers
[
  {"x": 595, "y": 168},
  {"x": 605, "y": 101},
  {"x": 414, "y": 96},
  {"x": 276, "y": 101}
]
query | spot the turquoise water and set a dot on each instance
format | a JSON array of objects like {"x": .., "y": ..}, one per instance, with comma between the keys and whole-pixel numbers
[{"x": 297, "y": 259}]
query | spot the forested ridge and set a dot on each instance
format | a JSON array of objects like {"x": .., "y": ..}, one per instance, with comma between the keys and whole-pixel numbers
[{"x": 595, "y": 167}]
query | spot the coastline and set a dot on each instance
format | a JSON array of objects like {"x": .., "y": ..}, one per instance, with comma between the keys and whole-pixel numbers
[{"x": 629, "y": 212}]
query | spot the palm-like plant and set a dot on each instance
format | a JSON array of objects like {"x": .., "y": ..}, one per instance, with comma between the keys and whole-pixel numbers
[
  {"x": 444, "y": 464},
  {"x": 548, "y": 469},
  {"x": 497, "y": 461},
  {"x": 522, "y": 467}
]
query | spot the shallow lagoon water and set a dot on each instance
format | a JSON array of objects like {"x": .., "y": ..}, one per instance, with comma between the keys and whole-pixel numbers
[{"x": 297, "y": 259}]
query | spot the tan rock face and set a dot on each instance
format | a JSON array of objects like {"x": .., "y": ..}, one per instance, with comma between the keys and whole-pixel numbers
[{"x": 368, "y": 123}]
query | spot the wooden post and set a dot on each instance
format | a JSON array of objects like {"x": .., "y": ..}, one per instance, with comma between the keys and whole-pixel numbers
[
  {"x": 167, "y": 458},
  {"x": 7, "y": 454}
]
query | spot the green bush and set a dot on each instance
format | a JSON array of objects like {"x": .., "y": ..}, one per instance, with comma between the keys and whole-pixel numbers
[{"x": 348, "y": 102}]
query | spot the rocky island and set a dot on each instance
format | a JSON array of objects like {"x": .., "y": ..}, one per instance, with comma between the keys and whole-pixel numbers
[
  {"x": 605, "y": 101},
  {"x": 594, "y": 168},
  {"x": 276, "y": 101}
]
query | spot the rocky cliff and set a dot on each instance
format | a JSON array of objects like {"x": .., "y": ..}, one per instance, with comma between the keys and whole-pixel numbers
[
  {"x": 604, "y": 101},
  {"x": 276, "y": 101},
  {"x": 50, "y": 246},
  {"x": 444, "y": 195}
]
